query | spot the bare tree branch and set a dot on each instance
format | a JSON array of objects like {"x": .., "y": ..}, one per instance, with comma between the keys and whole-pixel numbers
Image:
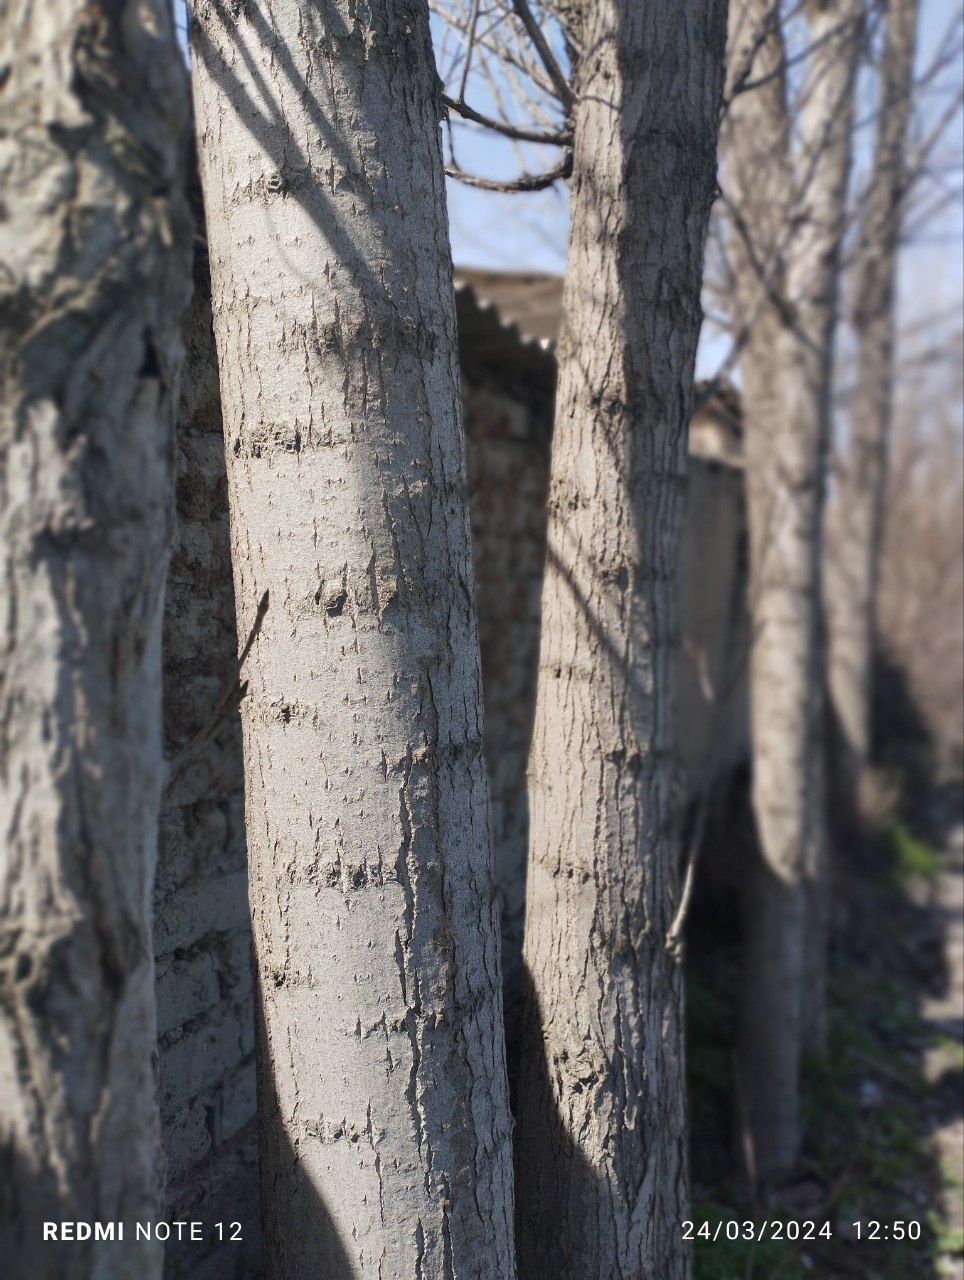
[
  {"x": 527, "y": 182},
  {"x": 560, "y": 139},
  {"x": 553, "y": 70}
]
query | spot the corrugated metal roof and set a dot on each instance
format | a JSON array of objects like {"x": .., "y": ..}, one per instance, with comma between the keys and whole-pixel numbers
[
  {"x": 527, "y": 300},
  {"x": 515, "y": 317}
]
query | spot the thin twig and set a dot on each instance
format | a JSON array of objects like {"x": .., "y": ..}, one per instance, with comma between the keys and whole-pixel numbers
[
  {"x": 553, "y": 70},
  {"x": 527, "y": 182},
  {"x": 232, "y": 692},
  {"x": 561, "y": 139},
  {"x": 469, "y": 46}
]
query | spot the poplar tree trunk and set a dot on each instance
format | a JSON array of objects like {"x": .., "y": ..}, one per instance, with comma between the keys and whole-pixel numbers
[
  {"x": 601, "y": 1167},
  {"x": 859, "y": 511},
  {"x": 95, "y": 239},
  {"x": 383, "y": 1108},
  {"x": 835, "y": 32},
  {"x": 790, "y": 204},
  {"x": 757, "y": 178}
]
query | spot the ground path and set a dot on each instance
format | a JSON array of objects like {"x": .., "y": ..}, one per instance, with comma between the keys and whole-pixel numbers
[{"x": 944, "y": 1015}]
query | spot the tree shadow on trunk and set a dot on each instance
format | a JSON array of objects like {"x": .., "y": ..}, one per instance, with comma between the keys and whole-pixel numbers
[
  {"x": 549, "y": 1246},
  {"x": 306, "y": 1244}
]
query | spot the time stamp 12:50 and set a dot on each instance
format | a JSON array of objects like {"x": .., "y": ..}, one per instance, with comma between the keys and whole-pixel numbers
[{"x": 779, "y": 1229}]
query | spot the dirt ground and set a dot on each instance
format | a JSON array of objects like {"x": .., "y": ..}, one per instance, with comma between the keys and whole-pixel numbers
[
  {"x": 944, "y": 1014},
  {"x": 884, "y": 1107}
]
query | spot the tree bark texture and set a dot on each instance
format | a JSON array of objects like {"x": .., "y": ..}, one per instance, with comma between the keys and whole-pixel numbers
[
  {"x": 787, "y": 207},
  {"x": 96, "y": 240},
  {"x": 384, "y": 1120},
  {"x": 202, "y": 924},
  {"x": 601, "y": 1168},
  {"x": 859, "y": 510}
]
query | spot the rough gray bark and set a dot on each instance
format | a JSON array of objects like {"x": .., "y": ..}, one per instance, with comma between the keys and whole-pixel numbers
[
  {"x": 202, "y": 927},
  {"x": 859, "y": 511},
  {"x": 384, "y": 1120},
  {"x": 788, "y": 207},
  {"x": 95, "y": 237},
  {"x": 601, "y": 1169}
]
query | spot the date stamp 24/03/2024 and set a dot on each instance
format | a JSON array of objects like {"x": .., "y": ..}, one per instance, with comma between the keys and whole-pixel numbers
[{"x": 779, "y": 1229}]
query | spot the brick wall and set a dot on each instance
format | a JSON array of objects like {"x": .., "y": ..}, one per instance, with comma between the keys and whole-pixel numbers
[
  {"x": 712, "y": 700},
  {"x": 508, "y": 431}
]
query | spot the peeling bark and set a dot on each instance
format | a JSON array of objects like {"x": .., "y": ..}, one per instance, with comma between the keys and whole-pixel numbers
[
  {"x": 96, "y": 271},
  {"x": 601, "y": 1169},
  {"x": 384, "y": 1120}
]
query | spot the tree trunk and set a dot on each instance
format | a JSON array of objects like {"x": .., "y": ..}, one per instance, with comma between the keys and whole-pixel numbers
[
  {"x": 384, "y": 1119},
  {"x": 758, "y": 182},
  {"x": 790, "y": 209},
  {"x": 601, "y": 1168},
  {"x": 202, "y": 926},
  {"x": 835, "y": 31},
  {"x": 859, "y": 510},
  {"x": 96, "y": 241}
]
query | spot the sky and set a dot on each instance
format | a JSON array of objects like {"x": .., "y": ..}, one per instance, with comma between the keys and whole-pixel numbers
[{"x": 528, "y": 231}]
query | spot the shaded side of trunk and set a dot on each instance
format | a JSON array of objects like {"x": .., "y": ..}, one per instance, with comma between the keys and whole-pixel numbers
[
  {"x": 601, "y": 1114},
  {"x": 383, "y": 1109},
  {"x": 96, "y": 239},
  {"x": 859, "y": 511},
  {"x": 785, "y": 252},
  {"x": 202, "y": 930},
  {"x": 508, "y": 428}
]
